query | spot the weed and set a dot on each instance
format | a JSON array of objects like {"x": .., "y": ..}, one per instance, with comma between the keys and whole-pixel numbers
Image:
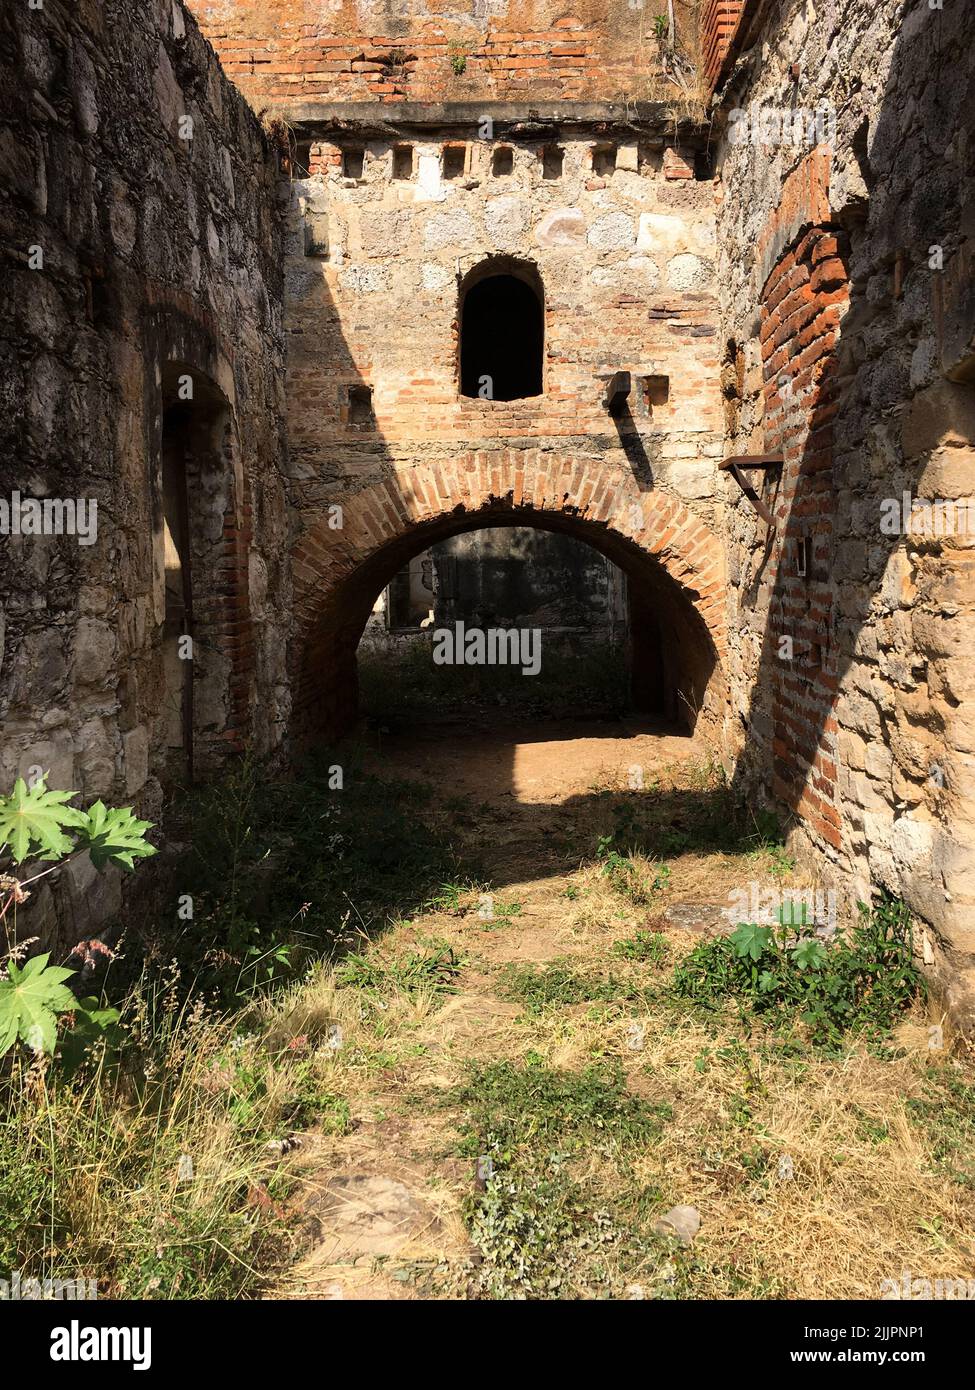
[
  {"x": 432, "y": 971},
  {"x": 855, "y": 983},
  {"x": 647, "y": 946},
  {"x": 626, "y": 876},
  {"x": 513, "y": 1108},
  {"x": 454, "y": 898},
  {"x": 557, "y": 985},
  {"x": 946, "y": 1110}
]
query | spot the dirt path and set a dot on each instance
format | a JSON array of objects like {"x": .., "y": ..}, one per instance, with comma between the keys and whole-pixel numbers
[{"x": 556, "y": 968}]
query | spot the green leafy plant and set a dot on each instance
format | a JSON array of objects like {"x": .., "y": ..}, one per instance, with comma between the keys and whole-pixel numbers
[
  {"x": 30, "y": 1000},
  {"x": 37, "y": 823},
  {"x": 33, "y": 822},
  {"x": 858, "y": 982}
]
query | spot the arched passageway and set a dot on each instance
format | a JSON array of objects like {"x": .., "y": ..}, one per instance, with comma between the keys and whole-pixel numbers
[
  {"x": 672, "y": 564},
  {"x": 502, "y": 623}
]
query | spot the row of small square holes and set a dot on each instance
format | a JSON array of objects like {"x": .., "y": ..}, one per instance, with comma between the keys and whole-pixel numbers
[
  {"x": 455, "y": 162},
  {"x": 358, "y": 412}
]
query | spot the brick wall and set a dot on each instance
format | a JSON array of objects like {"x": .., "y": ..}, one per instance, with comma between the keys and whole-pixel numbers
[
  {"x": 673, "y": 561},
  {"x": 802, "y": 304},
  {"x": 719, "y": 22},
  {"x": 846, "y": 268},
  {"x": 281, "y": 54},
  {"x": 375, "y": 277}
]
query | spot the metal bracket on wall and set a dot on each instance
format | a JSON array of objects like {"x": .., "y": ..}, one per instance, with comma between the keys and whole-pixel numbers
[{"x": 740, "y": 462}]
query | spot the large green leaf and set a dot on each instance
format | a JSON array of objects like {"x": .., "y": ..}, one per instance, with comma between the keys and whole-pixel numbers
[
  {"x": 32, "y": 821},
  {"x": 809, "y": 954},
  {"x": 114, "y": 836},
  {"x": 749, "y": 939},
  {"x": 30, "y": 1001}
]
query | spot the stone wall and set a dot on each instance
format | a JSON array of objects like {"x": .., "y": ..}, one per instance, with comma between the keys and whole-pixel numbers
[
  {"x": 845, "y": 270},
  {"x": 142, "y": 276},
  {"x": 284, "y": 53},
  {"x": 519, "y": 577},
  {"x": 385, "y": 241}
]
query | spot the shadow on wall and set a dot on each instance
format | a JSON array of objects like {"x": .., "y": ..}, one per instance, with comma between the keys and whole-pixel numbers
[
  {"x": 859, "y": 717},
  {"x": 344, "y": 561}
]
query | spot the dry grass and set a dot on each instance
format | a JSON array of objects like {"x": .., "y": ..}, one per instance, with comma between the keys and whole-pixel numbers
[
  {"x": 816, "y": 1176},
  {"x": 868, "y": 1196},
  {"x": 870, "y": 1193}
]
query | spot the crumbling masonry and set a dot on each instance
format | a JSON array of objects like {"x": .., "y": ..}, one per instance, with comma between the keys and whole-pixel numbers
[{"x": 246, "y": 255}]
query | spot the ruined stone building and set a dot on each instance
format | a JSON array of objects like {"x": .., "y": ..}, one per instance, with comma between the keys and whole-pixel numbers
[{"x": 295, "y": 292}]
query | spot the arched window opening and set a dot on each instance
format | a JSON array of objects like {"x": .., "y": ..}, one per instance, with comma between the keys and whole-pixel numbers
[{"x": 502, "y": 332}]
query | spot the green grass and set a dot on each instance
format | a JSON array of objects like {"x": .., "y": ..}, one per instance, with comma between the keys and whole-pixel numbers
[
  {"x": 513, "y": 1108},
  {"x": 432, "y": 970},
  {"x": 947, "y": 1112},
  {"x": 282, "y": 871},
  {"x": 647, "y": 946},
  {"x": 542, "y": 1230},
  {"x": 554, "y": 986}
]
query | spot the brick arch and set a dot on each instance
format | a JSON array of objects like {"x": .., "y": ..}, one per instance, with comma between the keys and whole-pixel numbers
[{"x": 339, "y": 571}]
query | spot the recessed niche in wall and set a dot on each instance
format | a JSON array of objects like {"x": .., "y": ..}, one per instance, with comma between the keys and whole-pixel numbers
[
  {"x": 402, "y": 161},
  {"x": 301, "y": 159},
  {"x": 603, "y": 159},
  {"x": 352, "y": 163},
  {"x": 656, "y": 391},
  {"x": 454, "y": 161},
  {"x": 704, "y": 164},
  {"x": 502, "y": 161},
  {"x": 359, "y": 410},
  {"x": 552, "y": 157},
  {"x": 650, "y": 159}
]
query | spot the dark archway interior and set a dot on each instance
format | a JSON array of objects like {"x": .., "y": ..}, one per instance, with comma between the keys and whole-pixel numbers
[
  {"x": 502, "y": 339},
  {"x": 177, "y": 447},
  {"x": 672, "y": 663},
  {"x": 196, "y": 484}
]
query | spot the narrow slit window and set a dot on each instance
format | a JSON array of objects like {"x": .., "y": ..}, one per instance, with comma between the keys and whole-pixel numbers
[{"x": 360, "y": 412}]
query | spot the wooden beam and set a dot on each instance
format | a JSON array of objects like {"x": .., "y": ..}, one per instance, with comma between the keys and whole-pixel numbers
[
  {"x": 617, "y": 391},
  {"x": 740, "y": 462}
]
